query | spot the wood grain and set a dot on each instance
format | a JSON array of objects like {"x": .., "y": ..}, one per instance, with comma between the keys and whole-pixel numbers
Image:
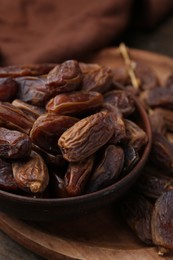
[{"x": 101, "y": 235}]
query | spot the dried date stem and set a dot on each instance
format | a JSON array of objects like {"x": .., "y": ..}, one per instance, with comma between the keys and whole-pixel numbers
[{"x": 130, "y": 65}]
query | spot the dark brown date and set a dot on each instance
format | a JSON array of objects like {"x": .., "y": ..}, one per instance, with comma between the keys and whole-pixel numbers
[
  {"x": 131, "y": 157},
  {"x": 137, "y": 212},
  {"x": 75, "y": 103},
  {"x": 8, "y": 89},
  {"x": 31, "y": 111},
  {"x": 86, "y": 136},
  {"x": 161, "y": 152},
  {"x": 147, "y": 77},
  {"x": 13, "y": 118},
  {"x": 77, "y": 175},
  {"x": 157, "y": 122},
  {"x": 107, "y": 171},
  {"x": 25, "y": 70},
  {"x": 122, "y": 100},
  {"x": 33, "y": 90},
  {"x": 167, "y": 117},
  {"x": 169, "y": 136},
  {"x": 135, "y": 136},
  {"x": 31, "y": 175},
  {"x": 158, "y": 97},
  {"x": 96, "y": 78},
  {"x": 66, "y": 77},
  {"x": 7, "y": 181},
  {"x": 14, "y": 144},
  {"x": 162, "y": 224},
  {"x": 50, "y": 159},
  {"x": 57, "y": 185},
  {"x": 153, "y": 183},
  {"x": 48, "y": 128}
]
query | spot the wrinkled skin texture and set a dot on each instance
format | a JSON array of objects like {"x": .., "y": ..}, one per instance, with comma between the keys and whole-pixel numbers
[
  {"x": 137, "y": 212},
  {"x": 48, "y": 128},
  {"x": 7, "y": 181},
  {"x": 110, "y": 164},
  {"x": 162, "y": 224},
  {"x": 75, "y": 103},
  {"x": 135, "y": 135},
  {"x": 31, "y": 111},
  {"x": 96, "y": 78},
  {"x": 8, "y": 89},
  {"x": 33, "y": 90},
  {"x": 161, "y": 152},
  {"x": 86, "y": 136},
  {"x": 14, "y": 144},
  {"x": 120, "y": 99},
  {"x": 31, "y": 175},
  {"x": 157, "y": 122},
  {"x": 77, "y": 175},
  {"x": 158, "y": 97},
  {"x": 66, "y": 77},
  {"x": 13, "y": 118}
]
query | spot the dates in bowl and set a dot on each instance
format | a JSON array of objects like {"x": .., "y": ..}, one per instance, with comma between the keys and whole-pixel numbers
[{"x": 71, "y": 140}]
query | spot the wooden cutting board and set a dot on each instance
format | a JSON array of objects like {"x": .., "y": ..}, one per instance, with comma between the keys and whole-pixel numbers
[{"x": 99, "y": 236}]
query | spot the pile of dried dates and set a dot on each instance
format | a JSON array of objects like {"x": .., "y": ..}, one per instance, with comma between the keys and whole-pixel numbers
[
  {"x": 65, "y": 130},
  {"x": 148, "y": 208}
]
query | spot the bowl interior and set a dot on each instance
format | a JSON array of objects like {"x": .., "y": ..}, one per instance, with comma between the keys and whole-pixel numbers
[{"x": 45, "y": 209}]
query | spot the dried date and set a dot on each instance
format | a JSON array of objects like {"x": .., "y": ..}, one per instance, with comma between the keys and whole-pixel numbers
[
  {"x": 111, "y": 162},
  {"x": 96, "y": 78},
  {"x": 66, "y": 77},
  {"x": 77, "y": 176},
  {"x": 48, "y": 128},
  {"x": 75, "y": 103},
  {"x": 162, "y": 224},
  {"x": 122, "y": 100},
  {"x": 86, "y": 136},
  {"x": 14, "y": 144},
  {"x": 13, "y": 118},
  {"x": 8, "y": 89},
  {"x": 31, "y": 175}
]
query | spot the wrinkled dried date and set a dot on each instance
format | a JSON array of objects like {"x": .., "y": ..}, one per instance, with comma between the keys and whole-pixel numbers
[
  {"x": 13, "y": 118},
  {"x": 120, "y": 99},
  {"x": 8, "y": 89},
  {"x": 66, "y": 77},
  {"x": 75, "y": 103},
  {"x": 96, "y": 78},
  {"x": 86, "y": 136},
  {"x": 14, "y": 144},
  {"x": 77, "y": 175},
  {"x": 48, "y": 128},
  {"x": 108, "y": 169},
  {"x": 137, "y": 212},
  {"x": 31, "y": 175}
]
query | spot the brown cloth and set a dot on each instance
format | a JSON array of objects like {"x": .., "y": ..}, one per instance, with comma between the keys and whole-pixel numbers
[{"x": 35, "y": 31}]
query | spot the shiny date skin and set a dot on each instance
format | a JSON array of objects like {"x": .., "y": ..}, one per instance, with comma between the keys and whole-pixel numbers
[
  {"x": 77, "y": 176},
  {"x": 65, "y": 77},
  {"x": 75, "y": 103},
  {"x": 108, "y": 169},
  {"x": 13, "y": 118},
  {"x": 14, "y": 144},
  {"x": 48, "y": 128}
]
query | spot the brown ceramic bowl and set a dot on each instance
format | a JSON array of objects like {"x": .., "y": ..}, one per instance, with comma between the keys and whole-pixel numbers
[{"x": 65, "y": 208}]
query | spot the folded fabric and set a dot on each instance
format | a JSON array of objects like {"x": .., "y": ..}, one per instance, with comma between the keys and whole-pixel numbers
[{"x": 38, "y": 31}]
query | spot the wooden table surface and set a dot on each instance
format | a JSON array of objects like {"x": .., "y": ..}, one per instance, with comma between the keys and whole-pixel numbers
[{"x": 160, "y": 41}]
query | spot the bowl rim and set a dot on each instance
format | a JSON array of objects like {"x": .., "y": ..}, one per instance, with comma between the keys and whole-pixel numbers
[{"x": 100, "y": 193}]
